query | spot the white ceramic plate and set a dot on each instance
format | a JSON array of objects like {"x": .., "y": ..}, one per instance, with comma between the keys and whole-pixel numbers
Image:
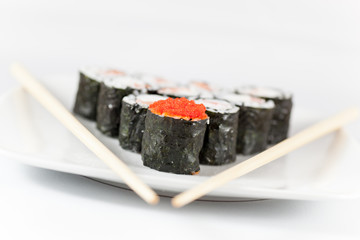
[{"x": 325, "y": 169}]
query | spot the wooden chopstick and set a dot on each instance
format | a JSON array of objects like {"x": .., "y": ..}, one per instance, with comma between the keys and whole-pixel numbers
[
  {"x": 306, "y": 136},
  {"x": 42, "y": 95}
]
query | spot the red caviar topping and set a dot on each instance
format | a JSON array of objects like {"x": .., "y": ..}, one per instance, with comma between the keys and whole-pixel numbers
[
  {"x": 195, "y": 173},
  {"x": 179, "y": 108}
]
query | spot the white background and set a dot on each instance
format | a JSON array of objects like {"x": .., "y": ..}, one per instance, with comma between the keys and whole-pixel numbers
[{"x": 311, "y": 48}]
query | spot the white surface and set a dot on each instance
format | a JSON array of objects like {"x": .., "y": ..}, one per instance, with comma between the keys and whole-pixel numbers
[
  {"x": 311, "y": 48},
  {"x": 326, "y": 169}
]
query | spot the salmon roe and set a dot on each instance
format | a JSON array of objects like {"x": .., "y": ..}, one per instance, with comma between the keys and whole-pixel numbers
[{"x": 179, "y": 108}]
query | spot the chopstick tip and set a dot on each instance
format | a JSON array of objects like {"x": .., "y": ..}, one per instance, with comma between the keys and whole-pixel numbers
[
  {"x": 176, "y": 203},
  {"x": 15, "y": 65},
  {"x": 15, "y": 69},
  {"x": 155, "y": 200}
]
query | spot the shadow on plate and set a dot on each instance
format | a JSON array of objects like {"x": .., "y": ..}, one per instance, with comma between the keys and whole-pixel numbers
[{"x": 89, "y": 189}]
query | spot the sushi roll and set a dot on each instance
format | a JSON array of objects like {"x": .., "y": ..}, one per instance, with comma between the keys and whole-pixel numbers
[
  {"x": 174, "y": 135},
  {"x": 254, "y": 122},
  {"x": 132, "y": 119},
  {"x": 112, "y": 91},
  {"x": 179, "y": 92},
  {"x": 154, "y": 83},
  {"x": 220, "y": 138},
  {"x": 283, "y": 104},
  {"x": 88, "y": 89},
  {"x": 206, "y": 90}
]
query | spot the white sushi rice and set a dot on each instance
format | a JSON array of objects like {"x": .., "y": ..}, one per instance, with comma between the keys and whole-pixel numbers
[
  {"x": 206, "y": 90},
  {"x": 203, "y": 86},
  {"x": 216, "y": 105},
  {"x": 100, "y": 73},
  {"x": 144, "y": 100},
  {"x": 247, "y": 101},
  {"x": 179, "y": 91},
  {"x": 264, "y": 92},
  {"x": 154, "y": 81},
  {"x": 123, "y": 82}
]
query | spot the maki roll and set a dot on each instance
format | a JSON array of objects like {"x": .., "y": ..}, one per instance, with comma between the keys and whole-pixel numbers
[
  {"x": 283, "y": 104},
  {"x": 132, "y": 119},
  {"x": 179, "y": 92},
  {"x": 206, "y": 90},
  {"x": 220, "y": 138},
  {"x": 174, "y": 135},
  {"x": 112, "y": 91},
  {"x": 88, "y": 89},
  {"x": 254, "y": 122},
  {"x": 154, "y": 83}
]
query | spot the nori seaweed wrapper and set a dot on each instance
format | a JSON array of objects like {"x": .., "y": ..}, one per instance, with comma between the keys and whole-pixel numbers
[
  {"x": 132, "y": 126},
  {"x": 280, "y": 122},
  {"x": 87, "y": 97},
  {"x": 220, "y": 138},
  {"x": 152, "y": 90},
  {"x": 283, "y": 104},
  {"x": 253, "y": 128},
  {"x": 108, "y": 109},
  {"x": 172, "y": 145}
]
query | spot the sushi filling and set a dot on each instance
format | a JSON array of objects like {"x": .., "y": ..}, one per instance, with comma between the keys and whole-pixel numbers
[
  {"x": 263, "y": 92},
  {"x": 154, "y": 82},
  {"x": 143, "y": 100},
  {"x": 248, "y": 101},
  {"x": 215, "y": 105},
  {"x": 181, "y": 108},
  {"x": 203, "y": 86},
  {"x": 100, "y": 73},
  {"x": 124, "y": 82},
  {"x": 179, "y": 92}
]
